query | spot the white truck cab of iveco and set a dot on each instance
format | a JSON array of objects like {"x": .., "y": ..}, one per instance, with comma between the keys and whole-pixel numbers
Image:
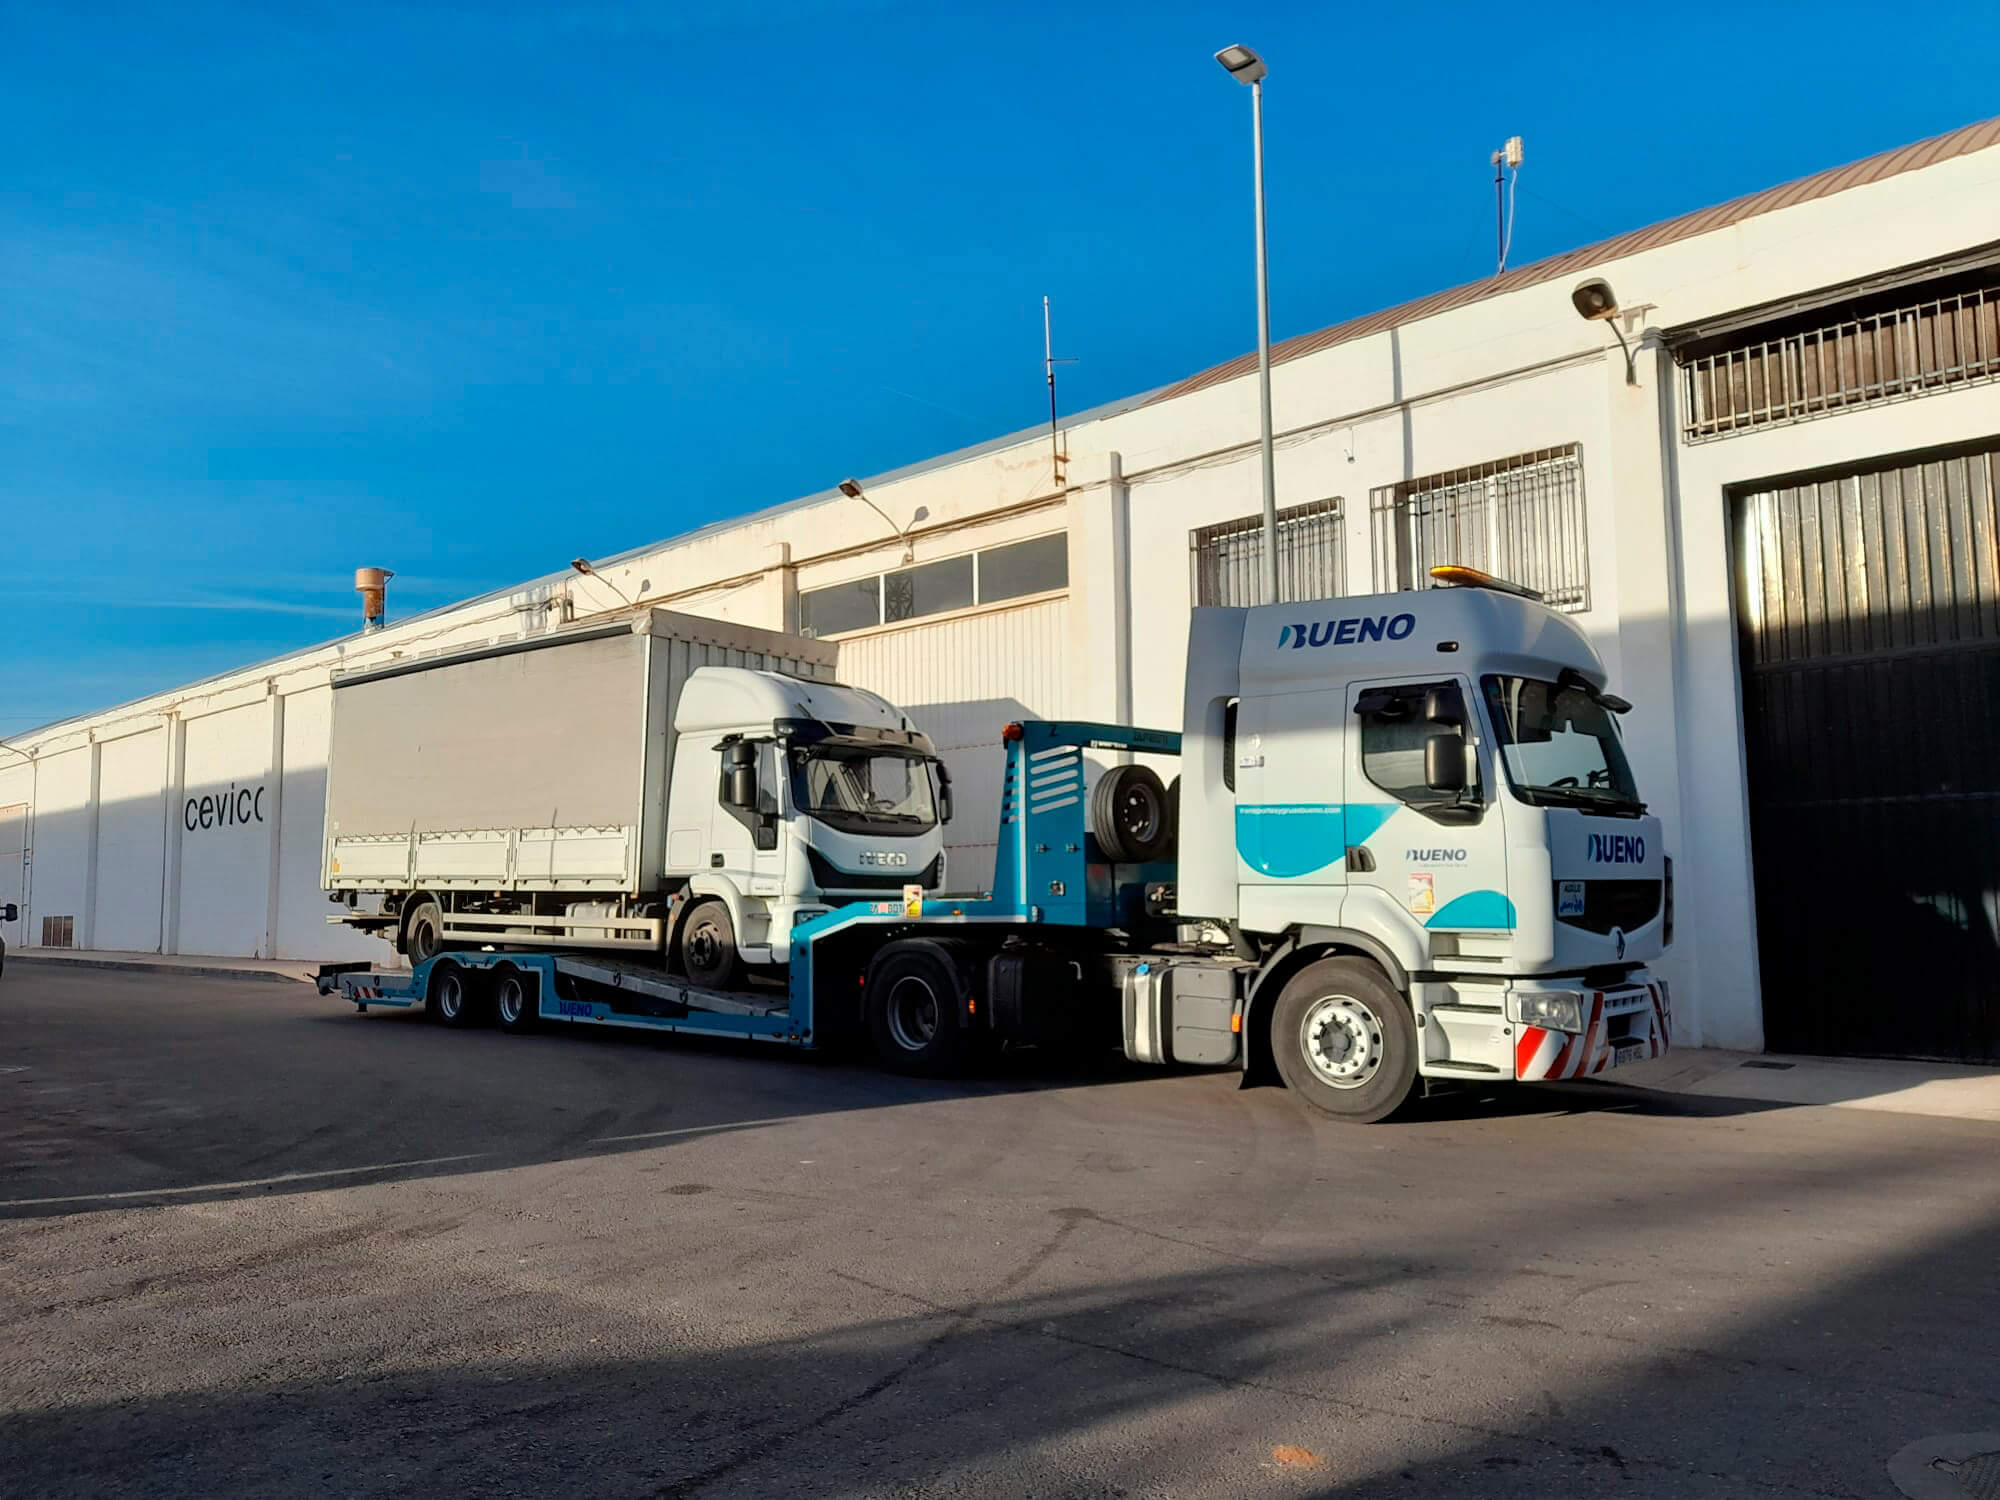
[
  {"x": 1433, "y": 781},
  {"x": 827, "y": 795}
]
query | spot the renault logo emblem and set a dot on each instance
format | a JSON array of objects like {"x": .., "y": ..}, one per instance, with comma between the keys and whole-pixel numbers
[{"x": 1618, "y": 933}]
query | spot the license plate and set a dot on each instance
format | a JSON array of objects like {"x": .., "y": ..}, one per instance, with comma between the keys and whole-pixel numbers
[{"x": 1629, "y": 1053}]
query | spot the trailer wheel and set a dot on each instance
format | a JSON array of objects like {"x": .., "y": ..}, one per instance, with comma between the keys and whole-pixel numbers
[
  {"x": 1344, "y": 1041},
  {"x": 423, "y": 932},
  {"x": 448, "y": 997},
  {"x": 516, "y": 999},
  {"x": 708, "y": 947},
  {"x": 1128, "y": 813},
  {"x": 913, "y": 996}
]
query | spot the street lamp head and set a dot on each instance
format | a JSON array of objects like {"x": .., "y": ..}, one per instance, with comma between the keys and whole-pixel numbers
[
  {"x": 1241, "y": 64},
  {"x": 582, "y": 565},
  {"x": 1594, "y": 299},
  {"x": 851, "y": 488}
]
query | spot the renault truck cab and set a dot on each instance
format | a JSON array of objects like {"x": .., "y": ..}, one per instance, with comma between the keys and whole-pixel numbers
[{"x": 1430, "y": 787}]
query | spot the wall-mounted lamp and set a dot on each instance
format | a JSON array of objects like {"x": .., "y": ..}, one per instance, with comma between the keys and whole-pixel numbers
[{"x": 1595, "y": 302}]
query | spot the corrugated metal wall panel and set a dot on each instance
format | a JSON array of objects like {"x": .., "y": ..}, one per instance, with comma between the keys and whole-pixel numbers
[
  {"x": 961, "y": 681},
  {"x": 1869, "y": 604}
]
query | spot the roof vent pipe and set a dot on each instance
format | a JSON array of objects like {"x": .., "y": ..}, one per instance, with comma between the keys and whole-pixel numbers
[{"x": 372, "y": 584}]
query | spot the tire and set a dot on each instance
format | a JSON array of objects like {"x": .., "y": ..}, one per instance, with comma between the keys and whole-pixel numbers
[
  {"x": 708, "y": 947},
  {"x": 913, "y": 993},
  {"x": 423, "y": 932},
  {"x": 450, "y": 996},
  {"x": 1344, "y": 1040},
  {"x": 516, "y": 1000},
  {"x": 1128, "y": 813}
]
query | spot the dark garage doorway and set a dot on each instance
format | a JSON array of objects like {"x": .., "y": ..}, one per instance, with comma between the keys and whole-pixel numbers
[{"x": 1868, "y": 603}]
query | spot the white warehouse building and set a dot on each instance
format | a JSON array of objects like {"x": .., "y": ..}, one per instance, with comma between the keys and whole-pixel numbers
[{"x": 1775, "y": 517}]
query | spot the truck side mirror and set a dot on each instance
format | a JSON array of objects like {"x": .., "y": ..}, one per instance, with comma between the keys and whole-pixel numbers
[
  {"x": 1444, "y": 762},
  {"x": 944, "y": 792},
  {"x": 1441, "y": 706},
  {"x": 740, "y": 778},
  {"x": 10, "y": 913}
]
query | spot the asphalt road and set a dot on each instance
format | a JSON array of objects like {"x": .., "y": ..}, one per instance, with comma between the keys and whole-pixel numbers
[{"x": 253, "y": 1244}]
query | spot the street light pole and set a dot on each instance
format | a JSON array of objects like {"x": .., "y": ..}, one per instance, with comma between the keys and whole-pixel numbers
[{"x": 1247, "y": 67}]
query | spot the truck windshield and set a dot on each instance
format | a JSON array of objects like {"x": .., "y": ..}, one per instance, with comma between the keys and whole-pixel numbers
[
  {"x": 863, "y": 790},
  {"x": 1560, "y": 745}
]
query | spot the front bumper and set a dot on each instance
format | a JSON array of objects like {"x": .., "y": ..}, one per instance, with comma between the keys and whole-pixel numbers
[{"x": 1625, "y": 1024}]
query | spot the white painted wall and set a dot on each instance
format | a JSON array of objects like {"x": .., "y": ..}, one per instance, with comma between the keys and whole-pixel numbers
[
  {"x": 225, "y": 854},
  {"x": 131, "y": 842},
  {"x": 59, "y": 860}
]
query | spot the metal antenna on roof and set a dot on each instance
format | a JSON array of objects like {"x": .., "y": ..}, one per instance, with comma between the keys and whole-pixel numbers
[
  {"x": 1508, "y": 155},
  {"x": 1049, "y": 363}
]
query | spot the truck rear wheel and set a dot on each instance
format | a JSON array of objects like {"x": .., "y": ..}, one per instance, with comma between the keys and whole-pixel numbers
[
  {"x": 708, "y": 947},
  {"x": 1344, "y": 1041},
  {"x": 516, "y": 999},
  {"x": 448, "y": 996},
  {"x": 913, "y": 999}
]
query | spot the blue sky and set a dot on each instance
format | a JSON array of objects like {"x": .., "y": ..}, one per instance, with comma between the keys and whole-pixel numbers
[{"x": 465, "y": 291}]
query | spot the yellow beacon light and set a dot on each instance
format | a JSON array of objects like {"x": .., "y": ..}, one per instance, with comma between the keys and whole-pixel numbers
[{"x": 1455, "y": 575}]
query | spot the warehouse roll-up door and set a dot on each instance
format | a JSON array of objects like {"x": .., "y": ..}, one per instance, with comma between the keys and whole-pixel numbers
[
  {"x": 1869, "y": 606},
  {"x": 962, "y": 680}
]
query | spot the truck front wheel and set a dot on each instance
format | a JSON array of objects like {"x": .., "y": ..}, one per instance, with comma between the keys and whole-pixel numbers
[
  {"x": 708, "y": 947},
  {"x": 913, "y": 996},
  {"x": 1344, "y": 1041},
  {"x": 423, "y": 932}
]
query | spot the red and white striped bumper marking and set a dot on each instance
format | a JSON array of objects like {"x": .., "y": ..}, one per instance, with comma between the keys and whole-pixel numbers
[{"x": 1541, "y": 1054}]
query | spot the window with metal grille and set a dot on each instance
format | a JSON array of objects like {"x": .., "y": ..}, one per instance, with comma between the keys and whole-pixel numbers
[
  {"x": 1228, "y": 558},
  {"x": 58, "y": 932},
  {"x": 1518, "y": 518},
  {"x": 1873, "y": 354}
]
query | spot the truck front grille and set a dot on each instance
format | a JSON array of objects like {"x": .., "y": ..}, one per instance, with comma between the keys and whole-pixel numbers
[
  {"x": 1623, "y": 904},
  {"x": 829, "y": 877}
]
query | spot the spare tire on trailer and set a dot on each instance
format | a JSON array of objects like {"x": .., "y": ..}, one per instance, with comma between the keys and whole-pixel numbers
[{"x": 1128, "y": 813}]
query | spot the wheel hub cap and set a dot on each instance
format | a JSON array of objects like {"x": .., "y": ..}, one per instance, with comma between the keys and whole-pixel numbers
[{"x": 1341, "y": 1038}]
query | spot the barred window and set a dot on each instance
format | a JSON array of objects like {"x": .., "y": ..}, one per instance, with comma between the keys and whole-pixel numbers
[
  {"x": 1228, "y": 558},
  {"x": 1860, "y": 354},
  {"x": 1518, "y": 518}
]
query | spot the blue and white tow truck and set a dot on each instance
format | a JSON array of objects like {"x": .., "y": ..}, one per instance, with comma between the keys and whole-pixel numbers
[{"x": 1404, "y": 851}]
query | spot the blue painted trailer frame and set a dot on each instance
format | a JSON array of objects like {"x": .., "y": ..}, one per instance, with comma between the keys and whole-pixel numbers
[{"x": 1048, "y": 871}]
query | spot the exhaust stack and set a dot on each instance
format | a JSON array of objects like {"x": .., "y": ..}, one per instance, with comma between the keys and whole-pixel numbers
[{"x": 372, "y": 584}]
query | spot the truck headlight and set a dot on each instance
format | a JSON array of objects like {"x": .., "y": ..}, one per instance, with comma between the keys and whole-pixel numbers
[
  {"x": 1557, "y": 1010},
  {"x": 804, "y": 914}
]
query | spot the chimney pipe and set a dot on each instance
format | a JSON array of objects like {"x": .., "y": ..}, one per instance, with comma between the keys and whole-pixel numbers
[{"x": 372, "y": 585}]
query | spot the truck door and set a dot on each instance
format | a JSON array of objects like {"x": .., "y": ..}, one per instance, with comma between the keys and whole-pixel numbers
[
  {"x": 1419, "y": 856},
  {"x": 1290, "y": 812}
]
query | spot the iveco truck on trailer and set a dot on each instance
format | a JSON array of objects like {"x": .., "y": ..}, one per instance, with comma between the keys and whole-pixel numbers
[
  {"x": 1410, "y": 853},
  {"x": 660, "y": 786}
]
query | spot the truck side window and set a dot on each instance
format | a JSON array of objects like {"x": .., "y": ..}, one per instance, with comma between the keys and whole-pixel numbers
[{"x": 1393, "y": 731}]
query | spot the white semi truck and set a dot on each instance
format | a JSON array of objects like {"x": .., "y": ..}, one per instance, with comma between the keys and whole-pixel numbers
[
  {"x": 1411, "y": 855},
  {"x": 660, "y": 785}
]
